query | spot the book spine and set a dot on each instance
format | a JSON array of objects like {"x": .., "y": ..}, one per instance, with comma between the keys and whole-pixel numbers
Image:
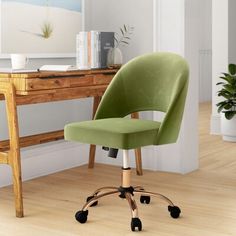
[
  {"x": 99, "y": 50},
  {"x": 89, "y": 49},
  {"x": 94, "y": 49},
  {"x": 82, "y": 51},
  {"x": 77, "y": 50},
  {"x": 106, "y": 43}
]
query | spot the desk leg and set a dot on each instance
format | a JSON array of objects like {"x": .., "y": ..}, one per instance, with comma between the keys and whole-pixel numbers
[
  {"x": 92, "y": 150},
  {"x": 14, "y": 159},
  {"x": 138, "y": 157}
]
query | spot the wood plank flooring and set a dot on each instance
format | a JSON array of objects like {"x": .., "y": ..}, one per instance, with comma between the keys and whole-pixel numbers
[
  {"x": 215, "y": 154},
  {"x": 207, "y": 198}
]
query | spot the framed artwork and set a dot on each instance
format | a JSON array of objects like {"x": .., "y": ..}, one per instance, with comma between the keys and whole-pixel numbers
[{"x": 40, "y": 28}]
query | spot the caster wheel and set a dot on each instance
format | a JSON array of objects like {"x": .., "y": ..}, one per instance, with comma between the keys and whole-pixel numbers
[
  {"x": 145, "y": 199},
  {"x": 95, "y": 203},
  {"x": 174, "y": 211},
  {"x": 81, "y": 216},
  {"x": 136, "y": 223}
]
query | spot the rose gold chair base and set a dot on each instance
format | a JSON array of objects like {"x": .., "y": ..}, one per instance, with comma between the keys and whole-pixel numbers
[{"x": 127, "y": 192}]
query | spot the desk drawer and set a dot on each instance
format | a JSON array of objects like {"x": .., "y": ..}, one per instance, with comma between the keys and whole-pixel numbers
[
  {"x": 43, "y": 84},
  {"x": 103, "y": 79},
  {"x": 58, "y": 82},
  {"x": 66, "y": 82},
  {"x": 82, "y": 81}
]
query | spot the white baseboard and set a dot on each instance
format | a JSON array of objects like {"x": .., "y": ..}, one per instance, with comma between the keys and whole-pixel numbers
[
  {"x": 46, "y": 159},
  {"x": 50, "y": 158},
  {"x": 215, "y": 125}
]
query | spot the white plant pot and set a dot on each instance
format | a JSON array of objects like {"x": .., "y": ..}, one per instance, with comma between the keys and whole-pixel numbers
[{"x": 228, "y": 128}]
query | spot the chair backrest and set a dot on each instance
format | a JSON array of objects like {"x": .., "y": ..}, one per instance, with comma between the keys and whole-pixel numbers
[{"x": 152, "y": 82}]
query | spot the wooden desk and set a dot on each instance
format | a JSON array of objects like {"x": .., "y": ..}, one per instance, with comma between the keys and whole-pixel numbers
[{"x": 42, "y": 87}]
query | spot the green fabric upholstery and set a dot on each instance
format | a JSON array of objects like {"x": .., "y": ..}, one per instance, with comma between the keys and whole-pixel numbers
[
  {"x": 152, "y": 82},
  {"x": 115, "y": 132}
]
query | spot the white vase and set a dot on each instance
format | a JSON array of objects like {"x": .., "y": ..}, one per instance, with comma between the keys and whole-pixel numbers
[
  {"x": 228, "y": 128},
  {"x": 114, "y": 57}
]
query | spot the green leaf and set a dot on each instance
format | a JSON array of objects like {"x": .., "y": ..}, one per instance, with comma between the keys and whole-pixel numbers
[
  {"x": 116, "y": 39},
  {"x": 225, "y": 74},
  {"x": 125, "y": 42},
  {"x": 220, "y": 83},
  {"x": 221, "y": 103},
  {"x": 229, "y": 114},
  {"x": 227, "y": 78},
  {"x": 224, "y": 91},
  {"x": 227, "y": 106},
  {"x": 225, "y": 95},
  {"x": 47, "y": 30},
  {"x": 224, "y": 78},
  {"x": 122, "y": 37},
  {"x": 229, "y": 88},
  {"x": 220, "y": 108},
  {"x": 232, "y": 69},
  {"x": 121, "y": 30}
]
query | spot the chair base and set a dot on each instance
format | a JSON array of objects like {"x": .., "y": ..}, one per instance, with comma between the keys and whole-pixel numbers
[
  {"x": 126, "y": 191},
  {"x": 128, "y": 194}
]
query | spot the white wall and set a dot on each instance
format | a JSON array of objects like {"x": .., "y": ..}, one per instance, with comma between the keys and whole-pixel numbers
[
  {"x": 220, "y": 54},
  {"x": 170, "y": 26},
  {"x": 205, "y": 51},
  {"x": 189, "y": 144},
  {"x": 182, "y": 19},
  {"x": 170, "y": 23},
  {"x": 205, "y": 21},
  {"x": 110, "y": 15}
]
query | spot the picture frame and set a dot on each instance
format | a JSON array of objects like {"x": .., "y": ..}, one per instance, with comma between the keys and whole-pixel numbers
[{"x": 40, "y": 28}]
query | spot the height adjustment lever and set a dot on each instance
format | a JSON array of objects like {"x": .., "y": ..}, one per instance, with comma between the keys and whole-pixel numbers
[{"x": 112, "y": 152}]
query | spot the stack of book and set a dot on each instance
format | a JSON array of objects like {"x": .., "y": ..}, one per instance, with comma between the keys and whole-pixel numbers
[{"x": 92, "y": 49}]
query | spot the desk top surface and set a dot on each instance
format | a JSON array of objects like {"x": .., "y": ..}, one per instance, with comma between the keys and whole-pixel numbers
[
  {"x": 47, "y": 86},
  {"x": 50, "y": 74}
]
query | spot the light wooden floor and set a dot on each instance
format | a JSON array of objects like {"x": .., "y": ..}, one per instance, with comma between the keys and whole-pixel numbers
[
  {"x": 215, "y": 154},
  {"x": 207, "y": 198}
]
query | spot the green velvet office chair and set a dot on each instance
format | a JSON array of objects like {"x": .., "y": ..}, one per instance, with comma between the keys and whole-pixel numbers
[{"x": 152, "y": 82}]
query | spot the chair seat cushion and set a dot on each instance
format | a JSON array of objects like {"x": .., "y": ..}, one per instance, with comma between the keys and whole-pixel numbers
[{"x": 120, "y": 133}]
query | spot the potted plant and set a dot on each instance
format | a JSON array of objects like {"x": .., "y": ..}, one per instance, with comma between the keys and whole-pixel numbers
[
  {"x": 114, "y": 57},
  {"x": 227, "y": 107}
]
